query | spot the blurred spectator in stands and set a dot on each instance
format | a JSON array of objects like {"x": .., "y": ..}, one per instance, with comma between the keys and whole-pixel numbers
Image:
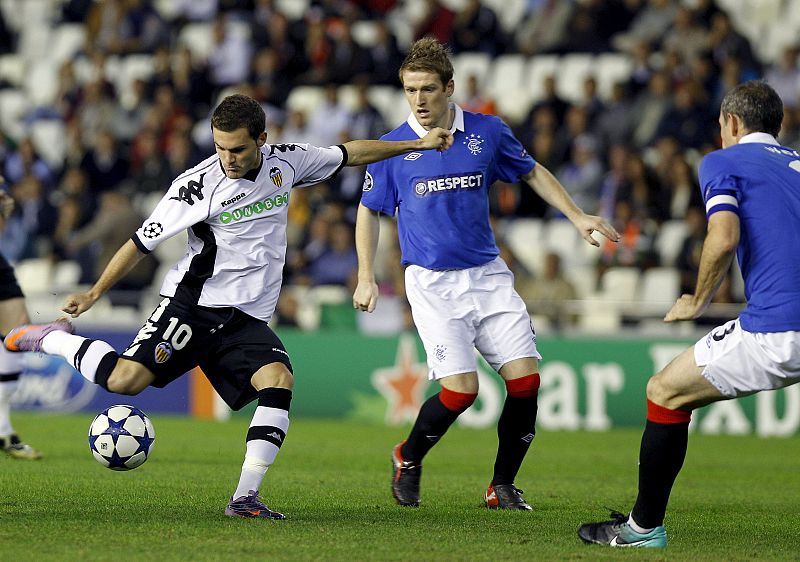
[
  {"x": 296, "y": 128},
  {"x": 69, "y": 91},
  {"x": 615, "y": 180},
  {"x": 539, "y": 119},
  {"x": 727, "y": 43},
  {"x": 551, "y": 99},
  {"x": 688, "y": 259},
  {"x": 287, "y": 309},
  {"x": 112, "y": 226},
  {"x": 643, "y": 191},
  {"x": 790, "y": 128},
  {"x": 385, "y": 56},
  {"x": 270, "y": 84},
  {"x": 29, "y": 230},
  {"x": 193, "y": 11},
  {"x": 190, "y": 83},
  {"x": 649, "y": 109},
  {"x": 150, "y": 171},
  {"x": 550, "y": 292},
  {"x": 103, "y": 25},
  {"x": 474, "y": 99},
  {"x": 348, "y": 61},
  {"x": 583, "y": 32},
  {"x": 75, "y": 11},
  {"x": 648, "y": 25},
  {"x": 75, "y": 206},
  {"x": 636, "y": 247},
  {"x": 337, "y": 265},
  {"x": 104, "y": 164},
  {"x": 590, "y": 100},
  {"x": 582, "y": 174},
  {"x": 436, "y": 21},
  {"x": 8, "y": 40},
  {"x": 685, "y": 120},
  {"x": 96, "y": 111},
  {"x": 130, "y": 112},
  {"x": 576, "y": 124},
  {"x": 784, "y": 77},
  {"x": 182, "y": 154},
  {"x": 141, "y": 29},
  {"x": 613, "y": 125},
  {"x": 230, "y": 56},
  {"x": 366, "y": 122},
  {"x": 544, "y": 28},
  {"x": 642, "y": 69},
  {"x": 26, "y": 161},
  {"x": 684, "y": 192},
  {"x": 330, "y": 122},
  {"x": 686, "y": 37},
  {"x": 316, "y": 51},
  {"x": 476, "y": 28}
]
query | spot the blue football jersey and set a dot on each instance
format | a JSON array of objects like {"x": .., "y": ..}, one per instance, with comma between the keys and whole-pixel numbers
[
  {"x": 441, "y": 198},
  {"x": 759, "y": 180}
]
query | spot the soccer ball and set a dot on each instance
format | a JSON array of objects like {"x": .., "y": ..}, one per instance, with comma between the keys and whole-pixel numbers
[{"x": 121, "y": 437}]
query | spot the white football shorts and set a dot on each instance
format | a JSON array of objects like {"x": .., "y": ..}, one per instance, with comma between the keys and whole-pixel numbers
[
  {"x": 457, "y": 311},
  {"x": 738, "y": 362}
]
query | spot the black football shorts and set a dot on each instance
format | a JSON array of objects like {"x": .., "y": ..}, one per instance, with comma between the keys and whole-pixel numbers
[
  {"x": 9, "y": 288},
  {"x": 227, "y": 344}
]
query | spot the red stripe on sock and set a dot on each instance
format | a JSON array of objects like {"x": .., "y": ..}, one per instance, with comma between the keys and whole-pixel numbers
[
  {"x": 660, "y": 414},
  {"x": 523, "y": 387},
  {"x": 456, "y": 401}
]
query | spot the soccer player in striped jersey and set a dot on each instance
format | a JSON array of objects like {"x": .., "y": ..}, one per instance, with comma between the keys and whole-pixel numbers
[
  {"x": 218, "y": 299},
  {"x": 751, "y": 189},
  {"x": 461, "y": 292}
]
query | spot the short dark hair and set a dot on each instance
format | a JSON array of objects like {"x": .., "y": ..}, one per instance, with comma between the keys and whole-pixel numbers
[
  {"x": 239, "y": 111},
  {"x": 757, "y": 104},
  {"x": 428, "y": 55}
]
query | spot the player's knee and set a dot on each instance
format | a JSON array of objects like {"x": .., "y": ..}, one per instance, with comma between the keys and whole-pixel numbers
[
  {"x": 659, "y": 391},
  {"x": 457, "y": 401},
  {"x": 127, "y": 382},
  {"x": 274, "y": 375}
]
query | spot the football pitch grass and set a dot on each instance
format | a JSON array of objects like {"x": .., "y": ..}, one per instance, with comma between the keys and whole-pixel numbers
[{"x": 737, "y": 498}]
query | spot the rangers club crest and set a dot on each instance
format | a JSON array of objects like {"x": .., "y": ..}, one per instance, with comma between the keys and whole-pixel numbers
[
  {"x": 474, "y": 143},
  {"x": 276, "y": 176}
]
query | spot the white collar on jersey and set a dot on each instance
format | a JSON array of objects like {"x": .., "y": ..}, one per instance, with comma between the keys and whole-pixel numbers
[
  {"x": 763, "y": 138},
  {"x": 458, "y": 122}
]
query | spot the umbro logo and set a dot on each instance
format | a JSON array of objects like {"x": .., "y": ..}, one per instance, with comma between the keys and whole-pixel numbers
[
  {"x": 528, "y": 438},
  {"x": 433, "y": 438},
  {"x": 412, "y": 156}
]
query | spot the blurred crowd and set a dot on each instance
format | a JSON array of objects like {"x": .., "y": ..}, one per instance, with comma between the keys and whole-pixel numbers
[{"x": 630, "y": 156}]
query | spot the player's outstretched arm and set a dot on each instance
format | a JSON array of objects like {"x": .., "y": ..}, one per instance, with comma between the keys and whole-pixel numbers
[
  {"x": 119, "y": 266},
  {"x": 361, "y": 152},
  {"x": 365, "y": 297},
  {"x": 719, "y": 248},
  {"x": 550, "y": 189}
]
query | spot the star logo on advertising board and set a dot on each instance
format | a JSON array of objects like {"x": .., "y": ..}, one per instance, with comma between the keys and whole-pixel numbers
[{"x": 403, "y": 385}]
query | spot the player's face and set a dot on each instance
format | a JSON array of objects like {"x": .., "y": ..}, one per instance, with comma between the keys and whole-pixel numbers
[
  {"x": 428, "y": 98},
  {"x": 237, "y": 151}
]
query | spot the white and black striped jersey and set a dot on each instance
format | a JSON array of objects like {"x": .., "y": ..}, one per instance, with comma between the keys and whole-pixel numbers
[{"x": 237, "y": 227}]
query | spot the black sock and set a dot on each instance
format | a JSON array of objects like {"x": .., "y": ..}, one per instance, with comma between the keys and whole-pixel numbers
[
  {"x": 433, "y": 420},
  {"x": 515, "y": 431},
  {"x": 660, "y": 460}
]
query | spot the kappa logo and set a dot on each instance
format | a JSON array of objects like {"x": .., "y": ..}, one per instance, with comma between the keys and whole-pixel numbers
[
  {"x": 276, "y": 176},
  {"x": 413, "y": 156},
  {"x": 191, "y": 190},
  {"x": 275, "y": 435},
  {"x": 474, "y": 143},
  {"x": 367, "y": 183},
  {"x": 163, "y": 352}
]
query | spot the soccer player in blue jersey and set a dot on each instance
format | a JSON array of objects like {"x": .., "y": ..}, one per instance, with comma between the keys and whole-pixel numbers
[
  {"x": 751, "y": 190},
  {"x": 461, "y": 292}
]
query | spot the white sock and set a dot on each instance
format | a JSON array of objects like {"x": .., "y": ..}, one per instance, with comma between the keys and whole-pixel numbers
[
  {"x": 7, "y": 389},
  {"x": 82, "y": 353},
  {"x": 636, "y": 527},
  {"x": 10, "y": 368},
  {"x": 264, "y": 438}
]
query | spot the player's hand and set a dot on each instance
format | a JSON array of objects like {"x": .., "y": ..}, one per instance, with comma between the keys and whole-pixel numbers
[
  {"x": 587, "y": 224},
  {"x": 365, "y": 297},
  {"x": 685, "y": 308},
  {"x": 437, "y": 139},
  {"x": 77, "y": 304}
]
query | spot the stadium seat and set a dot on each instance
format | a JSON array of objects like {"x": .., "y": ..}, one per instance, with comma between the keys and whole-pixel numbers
[
  {"x": 561, "y": 237},
  {"x": 364, "y": 32},
  {"x": 43, "y": 133},
  {"x": 471, "y": 64},
  {"x": 509, "y": 12},
  {"x": 670, "y": 239},
  {"x": 514, "y": 105},
  {"x": 66, "y": 40},
  {"x": 584, "y": 279},
  {"x": 599, "y": 317},
  {"x": 619, "y": 284},
  {"x": 305, "y": 98},
  {"x": 538, "y": 68},
  {"x": 386, "y": 99},
  {"x": 609, "y": 69},
  {"x": 133, "y": 67},
  {"x": 524, "y": 238},
  {"x": 34, "y": 275},
  {"x": 199, "y": 39},
  {"x": 12, "y": 69},
  {"x": 659, "y": 286},
  {"x": 13, "y": 106},
  {"x": 66, "y": 275},
  {"x": 292, "y": 9},
  {"x": 506, "y": 73},
  {"x": 572, "y": 71},
  {"x": 41, "y": 82}
]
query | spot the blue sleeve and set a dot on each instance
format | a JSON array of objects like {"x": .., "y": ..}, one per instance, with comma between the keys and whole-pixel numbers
[
  {"x": 719, "y": 184},
  {"x": 512, "y": 160},
  {"x": 379, "y": 192}
]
